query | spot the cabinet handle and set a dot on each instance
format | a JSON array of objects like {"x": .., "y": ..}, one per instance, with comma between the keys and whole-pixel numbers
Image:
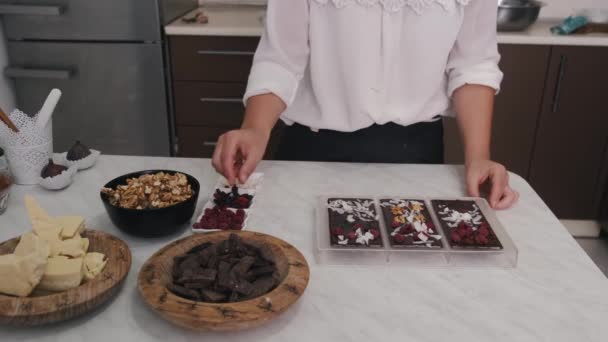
[
  {"x": 221, "y": 99},
  {"x": 225, "y": 53},
  {"x": 14, "y": 72},
  {"x": 210, "y": 143},
  {"x": 563, "y": 62},
  {"x": 32, "y": 10}
]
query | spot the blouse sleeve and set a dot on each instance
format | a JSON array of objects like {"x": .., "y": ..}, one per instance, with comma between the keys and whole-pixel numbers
[
  {"x": 283, "y": 53},
  {"x": 474, "y": 57}
]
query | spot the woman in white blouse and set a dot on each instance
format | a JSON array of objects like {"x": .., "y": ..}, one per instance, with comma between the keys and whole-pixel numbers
[{"x": 368, "y": 81}]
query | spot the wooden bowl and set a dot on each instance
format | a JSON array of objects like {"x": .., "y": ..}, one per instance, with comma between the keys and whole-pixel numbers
[
  {"x": 42, "y": 308},
  {"x": 155, "y": 274}
]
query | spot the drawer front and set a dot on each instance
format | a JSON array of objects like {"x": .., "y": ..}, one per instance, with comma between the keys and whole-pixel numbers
[
  {"x": 212, "y": 59},
  {"x": 200, "y": 142},
  {"x": 81, "y": 20},
  {"x": 208, "y": 104}
]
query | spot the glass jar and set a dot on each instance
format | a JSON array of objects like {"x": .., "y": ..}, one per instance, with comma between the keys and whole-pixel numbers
[{"x": 5, "y": 182}]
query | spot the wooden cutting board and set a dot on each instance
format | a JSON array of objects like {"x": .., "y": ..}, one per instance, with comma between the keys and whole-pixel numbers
[
  {"x": 155, "y": 274},
  {"x": 42, "y": 308}
]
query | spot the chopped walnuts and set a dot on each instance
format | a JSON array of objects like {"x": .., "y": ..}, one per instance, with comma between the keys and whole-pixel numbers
[{"x": 151, "y": 191}]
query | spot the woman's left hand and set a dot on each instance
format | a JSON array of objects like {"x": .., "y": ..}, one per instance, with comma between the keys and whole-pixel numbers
[{"x": 477, "y": 172}]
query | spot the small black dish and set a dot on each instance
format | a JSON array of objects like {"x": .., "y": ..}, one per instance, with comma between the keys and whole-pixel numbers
[{"x": 151, "y": 222}]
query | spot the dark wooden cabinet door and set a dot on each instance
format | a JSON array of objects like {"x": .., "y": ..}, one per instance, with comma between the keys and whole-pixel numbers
[
  {"x": 200, "y": 142},
  {"x": 516, "y": 110},
  {"x": 208, "y": 104},
  {"x": 212, "y": 59},
  {"x": 573, "y": 132}
]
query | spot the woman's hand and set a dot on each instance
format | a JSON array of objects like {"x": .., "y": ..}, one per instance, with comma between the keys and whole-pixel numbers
[
  {"x": 238, "y": 153},
  {"x": 477, "y": 172}
]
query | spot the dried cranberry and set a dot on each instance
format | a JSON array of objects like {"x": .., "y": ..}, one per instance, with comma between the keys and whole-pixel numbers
[
  {"x": 482, "y": 240},
  {"x": 408, "y": 229},
  {"x": 398, "y": 238},
  {"x": 483, "y": 231},
  {"x": 455, "y": 236},
  {"x": 358, "y": 226},
  {"x": 468, "y": 231},
  {"x": 337, "y": 231},
  {"x": 396, "y": 224},
  {"x": 351, "y": 235},
  {"x": 375, "y": 233}
]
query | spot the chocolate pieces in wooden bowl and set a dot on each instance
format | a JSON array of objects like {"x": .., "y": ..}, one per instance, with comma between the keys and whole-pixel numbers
[{"x": 223, "y": 281}]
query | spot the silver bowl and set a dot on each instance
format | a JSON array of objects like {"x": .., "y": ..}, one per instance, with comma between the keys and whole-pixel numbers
[{"x": 517, "y": 15}]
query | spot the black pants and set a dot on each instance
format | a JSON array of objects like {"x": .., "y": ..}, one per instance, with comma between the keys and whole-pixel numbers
[{"x": 421, "y": 143}]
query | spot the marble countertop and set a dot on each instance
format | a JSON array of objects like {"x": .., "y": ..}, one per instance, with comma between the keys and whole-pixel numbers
[
  {"x": 556, "y": 293},
  {"x": 247, "y": 21}
]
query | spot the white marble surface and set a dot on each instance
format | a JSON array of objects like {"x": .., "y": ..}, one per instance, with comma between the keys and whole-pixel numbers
[
  {"x": 245, "y": 21},
  {"x": 555, "y": 294}
]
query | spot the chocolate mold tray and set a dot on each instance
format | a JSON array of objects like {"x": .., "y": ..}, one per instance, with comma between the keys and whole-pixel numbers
[{"x": 445, "y": 256}]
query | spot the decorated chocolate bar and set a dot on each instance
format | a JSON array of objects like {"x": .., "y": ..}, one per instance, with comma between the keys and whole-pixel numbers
[
  {"x": 465, "y": 225},
  {"x": 353, "y": 222},
  {"x": 409, "y": 224}
]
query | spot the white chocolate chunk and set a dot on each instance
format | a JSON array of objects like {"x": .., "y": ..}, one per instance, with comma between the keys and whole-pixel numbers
[
  {"x": 70, "y": 225},
  {"x": 34, "y": 210},
  {"x": 93, "y": 265},
  {"x": 30, "y": 243},
  {"x": 62, "y": 274}
]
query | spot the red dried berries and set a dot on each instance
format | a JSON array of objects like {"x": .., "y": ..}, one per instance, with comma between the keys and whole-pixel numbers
[
  {"x": 221, "y": 218},
  {"x": 351, "y": 235},
  {"x": 465, "y": 234},
  {"x": 337, "y": 231},
  {"x": 375, "y": 233},
  {"x": 455, "y": 236},
  {"x": 398, "y": 238}
]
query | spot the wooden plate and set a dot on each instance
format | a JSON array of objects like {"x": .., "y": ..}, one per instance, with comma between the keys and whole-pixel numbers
[
  {"x": 156, "y": 274},
  {"x": 41, "y": 308}
]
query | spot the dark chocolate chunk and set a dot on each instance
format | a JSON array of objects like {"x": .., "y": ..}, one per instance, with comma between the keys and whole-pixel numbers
[
  {"x": 240, "y": 268},
  {"x": 199, "y": 248},
  {"x": 266, "y": 253},
  {"x": 224, "y": 278},
  {"x": 197, "y": 285},
  {"x": 213, "y": 296},
  {"x": 261, "y": 286},
  {"x": 189, "y": 263},
  {"x": 234, "y": 297},
  {"x": 228, "y": 271},
  {"x": 243, "y": 287},
  {"x": 184, "y": 292},
  {"x": 260, "y": 271}
]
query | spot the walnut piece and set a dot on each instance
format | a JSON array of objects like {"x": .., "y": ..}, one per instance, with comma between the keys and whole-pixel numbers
[{"x": 151, "y": 191}]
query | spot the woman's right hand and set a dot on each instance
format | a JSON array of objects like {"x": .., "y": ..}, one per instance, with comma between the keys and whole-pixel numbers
[{"x": 238, "y": 153}]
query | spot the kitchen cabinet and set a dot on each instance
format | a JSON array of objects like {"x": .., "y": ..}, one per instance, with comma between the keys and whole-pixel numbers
[
  {"x": 209, "y": 81},
  {"x": 572, "y": 136},
  {"x": 516, "y": 109},
  {"x": 551, "y": 125}
]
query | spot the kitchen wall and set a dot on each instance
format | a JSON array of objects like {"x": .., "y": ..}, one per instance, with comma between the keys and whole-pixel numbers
[
  {"x": 7, "y": 99},
  {"x": 554, "y": 9},
  {"x": 564, "y": 8}
]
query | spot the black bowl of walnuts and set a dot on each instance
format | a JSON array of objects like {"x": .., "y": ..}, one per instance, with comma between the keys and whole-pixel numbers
[{"x": 151, "y": 203}]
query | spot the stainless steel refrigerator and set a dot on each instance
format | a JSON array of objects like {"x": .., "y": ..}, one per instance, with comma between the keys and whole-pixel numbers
[{"x": 108, "y": 58}]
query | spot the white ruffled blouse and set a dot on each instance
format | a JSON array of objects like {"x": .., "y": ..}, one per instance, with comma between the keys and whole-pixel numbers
[{"x": 347, "y": 64}]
